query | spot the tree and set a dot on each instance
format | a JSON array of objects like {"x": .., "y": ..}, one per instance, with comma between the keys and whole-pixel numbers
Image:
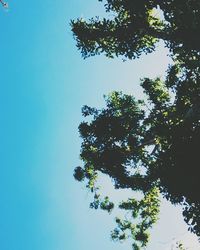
[
  {"x": 136, "y": 28},
  {"x": 153, "y": 146}
]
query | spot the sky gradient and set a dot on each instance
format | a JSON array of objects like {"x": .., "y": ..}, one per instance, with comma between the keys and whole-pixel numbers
[{"x": 44, "y": 83}]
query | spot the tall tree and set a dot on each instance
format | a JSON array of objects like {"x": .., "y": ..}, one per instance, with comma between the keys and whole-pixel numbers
[
  {"x": 136, "y": 26},
  {"x": 153, "y": 146}
]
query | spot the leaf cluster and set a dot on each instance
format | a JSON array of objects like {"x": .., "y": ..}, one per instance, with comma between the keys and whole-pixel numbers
[
  {"x": 136, "y": 26},
  {"x": 147, "y": 146}
]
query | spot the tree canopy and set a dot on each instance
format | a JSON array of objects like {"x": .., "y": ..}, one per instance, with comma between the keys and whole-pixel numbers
[
  {"x": 149, "y": 146},
  {"x": 136, "y": 26}
]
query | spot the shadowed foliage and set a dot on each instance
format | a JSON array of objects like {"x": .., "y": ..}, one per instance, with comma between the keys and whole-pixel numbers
[
  {"x": 135, "y": 26},
  {"x": 148, "y": 146}
]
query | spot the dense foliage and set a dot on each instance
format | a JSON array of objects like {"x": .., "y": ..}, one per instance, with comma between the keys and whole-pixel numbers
[
  {"x": 135, "y": 27},
  {"x": 151, "y": 146}
]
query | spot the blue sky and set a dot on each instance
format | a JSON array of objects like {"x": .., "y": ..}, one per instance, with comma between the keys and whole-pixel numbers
[{"x": 44, "y": 83}]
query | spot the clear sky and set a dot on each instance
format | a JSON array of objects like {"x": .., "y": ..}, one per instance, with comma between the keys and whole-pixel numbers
[{"x": 44, "y": 82}]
